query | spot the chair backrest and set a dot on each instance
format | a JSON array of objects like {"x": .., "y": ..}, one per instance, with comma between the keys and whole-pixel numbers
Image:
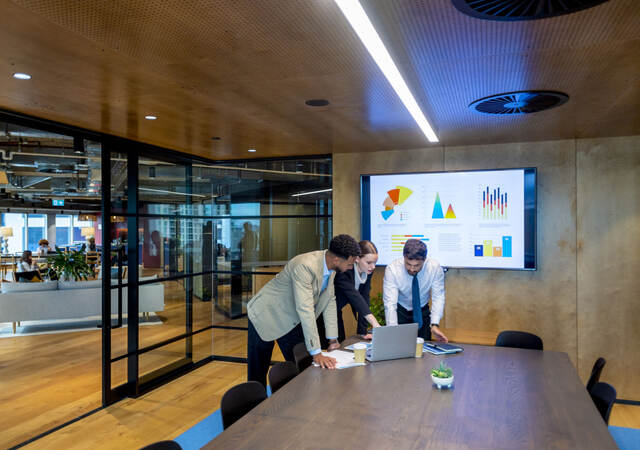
[
  {"x": 519, "y": 339},
  {"x": 301, "y": 356},
  {"x": 595, "y": 373},
  {"x": 239, "y": 400},
  {"x": 603, "y": 396},
  {"x": 163, "y": 445},
  {"x": 281, "y": 373}
]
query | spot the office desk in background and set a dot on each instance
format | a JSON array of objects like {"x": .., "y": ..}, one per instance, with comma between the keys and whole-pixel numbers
[{"x": 502, "y": 398}]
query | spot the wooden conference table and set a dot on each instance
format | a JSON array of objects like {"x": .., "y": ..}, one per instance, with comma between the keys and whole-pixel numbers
[{"x": 502, "y": 398}]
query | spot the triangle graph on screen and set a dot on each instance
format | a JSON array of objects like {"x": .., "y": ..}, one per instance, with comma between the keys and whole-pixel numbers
[
  {"x": 395, "y": 197},
  {"x": 437, "y": 210}
]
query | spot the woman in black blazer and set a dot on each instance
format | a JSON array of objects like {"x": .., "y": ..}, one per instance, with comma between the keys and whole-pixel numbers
[{"x": 352, "y": 287}]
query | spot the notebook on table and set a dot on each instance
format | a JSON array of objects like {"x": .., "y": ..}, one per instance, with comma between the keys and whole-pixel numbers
[{"x": 440, "y": 348}]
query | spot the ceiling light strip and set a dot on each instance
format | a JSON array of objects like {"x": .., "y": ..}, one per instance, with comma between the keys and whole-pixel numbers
[
  {"x": 312, "y": 192},
  {"x": 170, "y": 192},
  {"x": 361, "y": 24}
]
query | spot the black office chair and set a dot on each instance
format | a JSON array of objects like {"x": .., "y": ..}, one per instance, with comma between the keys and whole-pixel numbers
[
  {"x": 519, "y": 339},
  {"x": 595, "y": 373},
  {"x": 302, "y": 357},
  {"x": 163, "y": 445},
  {"x": 281, "y": 373},
  {"x": 239, "y": 400},
  {"x": 603, "y": 396}
]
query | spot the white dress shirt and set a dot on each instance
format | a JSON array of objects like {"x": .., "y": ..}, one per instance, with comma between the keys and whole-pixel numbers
[{"x": 397, "y": 288}]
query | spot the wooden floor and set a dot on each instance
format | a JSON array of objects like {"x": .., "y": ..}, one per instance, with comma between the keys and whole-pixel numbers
[{"x": 47, "y": 380}]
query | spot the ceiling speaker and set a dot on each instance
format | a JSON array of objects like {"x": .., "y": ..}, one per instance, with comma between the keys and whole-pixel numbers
[
  {"x": 522, "y": 102},
  {"x": 509, "y": 10}
]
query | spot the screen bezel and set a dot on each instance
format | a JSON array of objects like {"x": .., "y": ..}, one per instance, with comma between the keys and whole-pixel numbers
[{"x": 530, "y": 212}]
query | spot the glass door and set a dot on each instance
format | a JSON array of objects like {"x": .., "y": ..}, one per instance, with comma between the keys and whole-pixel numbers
[{"x": 161, "y": 269}]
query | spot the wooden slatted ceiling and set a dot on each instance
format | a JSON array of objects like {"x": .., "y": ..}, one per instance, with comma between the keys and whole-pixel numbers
[{"x": 242, "y": 70}]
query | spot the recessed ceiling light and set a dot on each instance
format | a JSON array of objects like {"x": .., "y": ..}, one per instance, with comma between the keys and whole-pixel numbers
[
  {"x": 317, "y": 102},
  {"x": 150, "y": 117},
  {"x": 252, "y": 150},
  {"x": 22, "y": 76},
  {"x": 357, "y": 17}
]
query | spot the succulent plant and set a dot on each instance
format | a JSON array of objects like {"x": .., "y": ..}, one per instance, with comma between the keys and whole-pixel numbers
[{"x": 442, "y": 371}]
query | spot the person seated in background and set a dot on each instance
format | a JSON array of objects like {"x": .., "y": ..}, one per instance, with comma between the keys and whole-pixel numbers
[
  {"x": 408, "y": 283},
  {"x": 43, "y": 247},
  {"x": 26, "y": 269},
  {"x": 92, "y": 244},
  {"x": 353, "y": 287},
  {"x": 26, "y": 263}
]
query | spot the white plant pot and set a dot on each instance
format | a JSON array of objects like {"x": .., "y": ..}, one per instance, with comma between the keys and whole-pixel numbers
[{"x": 442, "y": 382}]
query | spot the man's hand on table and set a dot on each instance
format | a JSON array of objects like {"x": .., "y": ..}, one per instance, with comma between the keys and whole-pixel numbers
[
  {"x": 326, "y": 362},
  {"x": 437, "y": 334}
]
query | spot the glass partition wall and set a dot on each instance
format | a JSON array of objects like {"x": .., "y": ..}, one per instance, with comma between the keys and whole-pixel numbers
[
  {"x": 191, "y": 243},
  {"x": 179, "y": 245}
]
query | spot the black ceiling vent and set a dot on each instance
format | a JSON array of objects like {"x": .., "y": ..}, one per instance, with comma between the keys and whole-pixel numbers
[
  {"x": 509, "y": 10},
  {"x": 522, "y": 102}
]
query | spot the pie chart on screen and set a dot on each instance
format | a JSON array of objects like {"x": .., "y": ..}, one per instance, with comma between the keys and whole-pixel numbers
[{"x": 395, "y": 197}]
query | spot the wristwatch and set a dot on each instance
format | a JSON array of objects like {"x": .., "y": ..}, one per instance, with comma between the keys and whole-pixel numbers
[{"x": 435, "y": 325}]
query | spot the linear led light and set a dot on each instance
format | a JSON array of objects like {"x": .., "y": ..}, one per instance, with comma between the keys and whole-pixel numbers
[
  {"x": 312, "y": 192},
  {"x": 361, "y": 24},
  {"x": 170, "y": 192}
]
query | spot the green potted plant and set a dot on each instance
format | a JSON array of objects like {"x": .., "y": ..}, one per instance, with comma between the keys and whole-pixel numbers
[
  {"x": 377, "y": 308},
  {"x": 71, "y": 265},
  {"x": 442, "y": 375}
]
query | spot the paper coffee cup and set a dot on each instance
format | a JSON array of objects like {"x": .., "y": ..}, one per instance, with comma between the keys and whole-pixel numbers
[
  {"x": 359, "y": 351},
  {"x": 419, "y": 344}
]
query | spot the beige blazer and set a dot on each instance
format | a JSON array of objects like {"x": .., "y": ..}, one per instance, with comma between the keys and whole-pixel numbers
[{"x": 294, "y": 297}]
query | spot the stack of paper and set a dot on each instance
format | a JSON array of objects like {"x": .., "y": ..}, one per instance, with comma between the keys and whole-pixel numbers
[{"x": 344, "y": 359}]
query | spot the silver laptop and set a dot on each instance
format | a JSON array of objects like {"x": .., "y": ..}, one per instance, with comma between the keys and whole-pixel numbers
[{"x": 393, "y": 342}]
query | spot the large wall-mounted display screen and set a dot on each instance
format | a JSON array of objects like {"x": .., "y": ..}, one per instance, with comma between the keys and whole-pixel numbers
[{"x": 472, "y": 219}]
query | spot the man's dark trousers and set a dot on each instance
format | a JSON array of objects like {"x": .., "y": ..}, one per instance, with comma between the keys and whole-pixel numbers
[{"x": 259, "y": 352}]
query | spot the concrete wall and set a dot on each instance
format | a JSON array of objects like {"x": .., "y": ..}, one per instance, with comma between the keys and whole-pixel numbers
[{"x": 583, "y": 299}]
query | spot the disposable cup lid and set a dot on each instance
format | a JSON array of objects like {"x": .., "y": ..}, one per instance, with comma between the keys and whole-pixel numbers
[
  {"x": 419, "y": 340},
  {"x": 359, "y": 345}
]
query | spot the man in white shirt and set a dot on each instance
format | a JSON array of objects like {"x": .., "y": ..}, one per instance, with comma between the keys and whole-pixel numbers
[{"x": 408, "y": 283}]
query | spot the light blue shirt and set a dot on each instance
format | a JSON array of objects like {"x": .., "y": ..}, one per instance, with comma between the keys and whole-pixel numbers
[{"x": 325, "y": 283}]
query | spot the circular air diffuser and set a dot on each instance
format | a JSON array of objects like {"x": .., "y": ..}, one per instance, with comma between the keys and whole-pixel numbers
[
  {"x": 522, "y": 102},
  {"x": 507, "y": 10}
]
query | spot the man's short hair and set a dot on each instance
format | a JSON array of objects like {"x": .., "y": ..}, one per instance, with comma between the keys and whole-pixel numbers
[
  {"x": 344, "y": 246},
  {"x": 414, "y": 249}
]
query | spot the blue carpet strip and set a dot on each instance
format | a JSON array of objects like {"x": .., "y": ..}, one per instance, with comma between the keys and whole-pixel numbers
[{"x": 204, "y": 431}]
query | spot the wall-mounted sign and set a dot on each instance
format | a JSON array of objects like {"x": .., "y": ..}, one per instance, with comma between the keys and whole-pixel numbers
[{"x": 57, "y": 202}]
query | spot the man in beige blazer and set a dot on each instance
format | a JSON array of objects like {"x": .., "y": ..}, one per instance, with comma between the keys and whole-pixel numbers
[{"x": 286, "y": 308}]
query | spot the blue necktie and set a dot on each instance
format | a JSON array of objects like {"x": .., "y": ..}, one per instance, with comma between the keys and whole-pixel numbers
[
  {"x": 415, "y": 300},
  {"x": 325, "y": 282}
]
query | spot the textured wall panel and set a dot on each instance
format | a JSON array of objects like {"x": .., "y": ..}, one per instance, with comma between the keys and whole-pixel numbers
[
  {"x": 609, "y": 260},
  {"x": 542, "y": 302}
]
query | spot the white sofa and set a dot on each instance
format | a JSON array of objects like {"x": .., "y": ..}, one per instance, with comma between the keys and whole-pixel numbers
[{"x": 69, "y": 300}]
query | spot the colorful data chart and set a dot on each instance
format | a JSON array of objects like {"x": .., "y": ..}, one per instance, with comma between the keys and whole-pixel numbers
[
  {"x": 488, "y": 249},
  {"x": 494, "y": 204},
  {"x": 437, "y": 210},
  {"x": 395, "y": 197},
  {"x": 398, "y": 240}
]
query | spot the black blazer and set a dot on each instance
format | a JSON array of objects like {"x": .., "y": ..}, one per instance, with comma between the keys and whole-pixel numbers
[{"x": 346, "y": 293}]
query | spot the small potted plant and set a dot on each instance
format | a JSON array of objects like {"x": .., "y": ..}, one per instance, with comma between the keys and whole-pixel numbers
[{"x": 442, "y": 375}]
